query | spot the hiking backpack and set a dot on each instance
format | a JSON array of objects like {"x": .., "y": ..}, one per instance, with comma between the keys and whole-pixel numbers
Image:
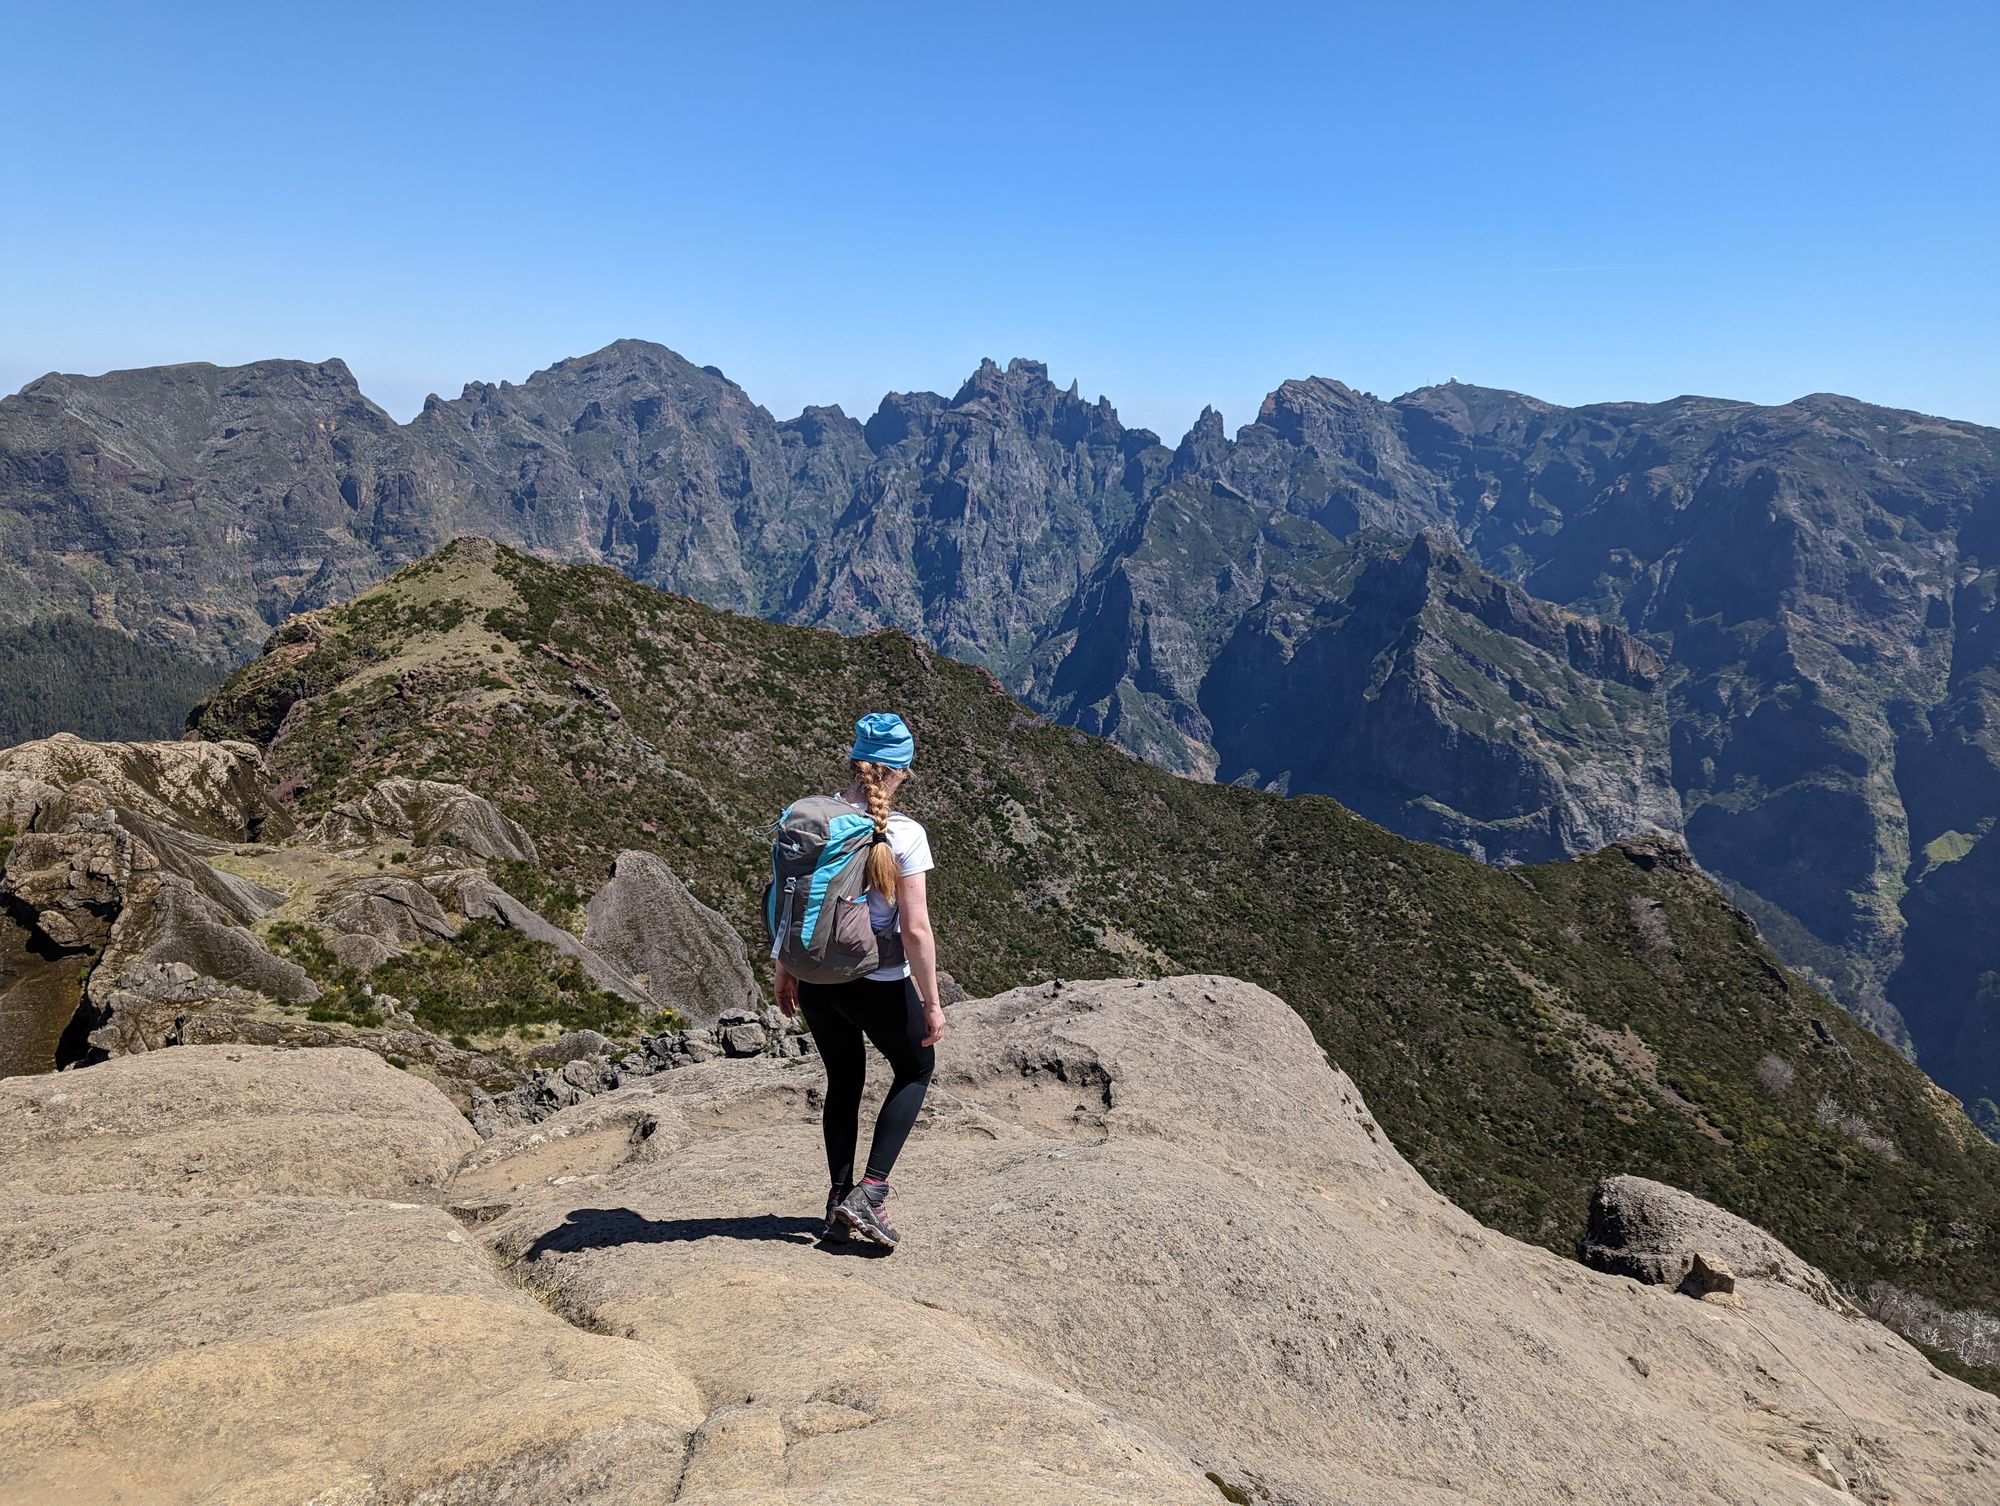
[{"x": 816, "y": 905}]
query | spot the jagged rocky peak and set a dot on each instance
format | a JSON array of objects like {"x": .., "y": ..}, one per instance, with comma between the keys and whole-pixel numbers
[
  {"x": 1297, "y": 405},
  {"x": 1024, "y": 393},
  {"x": 1204, "y": 447},
  {"x": 901, "y": 416},
  {"x": 828, "y": 424},
  {"x": 1308, "y": 412},
  {"x": 631, "y": 384},
  {"x": 1019, "y": 395}
]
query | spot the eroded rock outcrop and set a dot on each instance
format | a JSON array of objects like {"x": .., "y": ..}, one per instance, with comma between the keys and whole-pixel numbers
[
  {"x": 137, "y": 899},
  {"x": 426, "y": 813},
  {"x": 477, "y": 897},
  {"x": 1156, "y": 1251},
  {"x": 214, "y": 789},
  {"x": 139, "y": 880},
  {"x": 686, "y": 956},
  {"x": 391, "y": 908}
]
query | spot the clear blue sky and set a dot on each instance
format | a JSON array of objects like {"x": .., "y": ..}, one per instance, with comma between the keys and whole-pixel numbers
[{"x": 1176, "y": 206}]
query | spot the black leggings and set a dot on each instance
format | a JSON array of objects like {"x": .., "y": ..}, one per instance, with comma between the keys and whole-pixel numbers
[{"x": 892, "y": 1016}]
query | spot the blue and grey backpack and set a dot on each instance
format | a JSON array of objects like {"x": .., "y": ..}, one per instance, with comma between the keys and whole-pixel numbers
[{"x": 816, "y": 905}]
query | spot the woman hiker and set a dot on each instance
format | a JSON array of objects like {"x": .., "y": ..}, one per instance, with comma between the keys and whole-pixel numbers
[{"x": 896, "y": 1006}]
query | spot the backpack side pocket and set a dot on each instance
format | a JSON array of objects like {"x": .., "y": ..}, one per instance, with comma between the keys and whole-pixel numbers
[{"x": 852, "y": 948}]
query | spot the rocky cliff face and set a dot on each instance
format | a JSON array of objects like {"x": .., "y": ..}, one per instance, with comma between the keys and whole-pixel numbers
[
  {"x": 630, "y": 1301},
  {"x": 197, "y": 506},
  {"x": 980, "y": 516},
  {"x": 1815, "y": 576},
  {"x": 638, "y": 458},
  {"x": 1227, "y": 640},
  {"x": 1812, "y": 575},
  {"x": 1446, "y": 704}
]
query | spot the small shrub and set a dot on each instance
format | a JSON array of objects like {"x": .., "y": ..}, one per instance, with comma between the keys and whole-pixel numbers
[{"x": 534, "y": 886}]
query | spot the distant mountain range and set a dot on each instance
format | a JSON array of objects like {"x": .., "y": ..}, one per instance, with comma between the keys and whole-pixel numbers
[{"x": 1519, "y": 629}]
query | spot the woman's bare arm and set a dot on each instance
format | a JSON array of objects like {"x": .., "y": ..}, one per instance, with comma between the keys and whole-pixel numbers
[{"x": 920, "y": 946}]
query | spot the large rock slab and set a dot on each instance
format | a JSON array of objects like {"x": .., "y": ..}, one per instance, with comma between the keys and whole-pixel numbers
[
  {"x": 268, "y": 1350},
  {"x": 389, "y": 907},
  {"x": 685, "y": 955},
  {"x": 168, "y": 920},
  {"x": 1112, "y": 1178},
  {"x": 214, "y": 1120},
  {"x": 82, "y": 864},
  {"x": 1156, "y": 1251}
]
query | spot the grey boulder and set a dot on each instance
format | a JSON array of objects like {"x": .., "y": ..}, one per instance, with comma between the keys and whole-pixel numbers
[
  {"x": 427, "y": 813},
  {"x": 361, "y": 952},
  {"x": 686, "y": 956},
  {"x": 1666, "y": 1237},
  {"x": 387, "y": 906}
]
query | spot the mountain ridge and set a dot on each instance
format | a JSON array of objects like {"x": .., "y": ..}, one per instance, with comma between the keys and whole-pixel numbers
[{"x": 1812, "y": 574}]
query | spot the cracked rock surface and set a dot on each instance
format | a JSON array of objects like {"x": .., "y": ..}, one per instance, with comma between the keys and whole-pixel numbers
[{"x": 1156, "y": 1250}]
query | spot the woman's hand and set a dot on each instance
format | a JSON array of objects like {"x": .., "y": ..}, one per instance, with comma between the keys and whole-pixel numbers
[
  {"x": 785, "y": 989},
  {"x": 933, "y": 1023}
]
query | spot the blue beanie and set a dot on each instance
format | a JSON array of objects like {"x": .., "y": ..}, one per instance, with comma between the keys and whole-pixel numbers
[{"x": 881, "y": 737}]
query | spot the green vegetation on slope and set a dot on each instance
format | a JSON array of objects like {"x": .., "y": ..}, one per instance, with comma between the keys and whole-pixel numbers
[
  {"x": 1948, "y": 847},
  {"x": 64, "y": 674},
  {"x": 480, "y": 985},
  {"x": 1520, "y": 1033}
]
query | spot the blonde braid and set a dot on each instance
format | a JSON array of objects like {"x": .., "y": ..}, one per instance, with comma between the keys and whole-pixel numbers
[{"x": 882, "y": 869}]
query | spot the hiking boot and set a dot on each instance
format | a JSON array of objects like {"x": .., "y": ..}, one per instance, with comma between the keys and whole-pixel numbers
[
  {"x": 835, "y": 1231},
  {"x": 865, "y": 1214}
]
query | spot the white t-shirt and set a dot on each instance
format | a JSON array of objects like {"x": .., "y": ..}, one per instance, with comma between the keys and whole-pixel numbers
[{"x": 912, "y": 846}]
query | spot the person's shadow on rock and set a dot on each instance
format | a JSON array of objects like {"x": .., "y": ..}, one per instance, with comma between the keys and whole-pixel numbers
[{"x": 600, "y": 1228}]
